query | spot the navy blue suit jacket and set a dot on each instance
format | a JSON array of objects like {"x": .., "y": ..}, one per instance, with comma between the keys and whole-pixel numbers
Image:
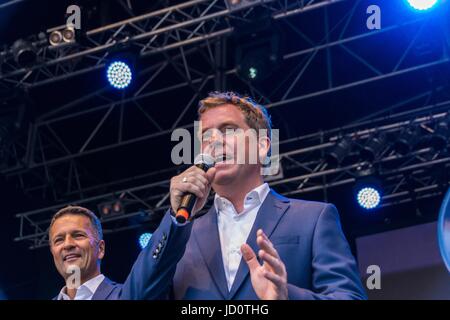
[
  {"x": 154, "y": 268},
  {"x": 308, "y": 238}
]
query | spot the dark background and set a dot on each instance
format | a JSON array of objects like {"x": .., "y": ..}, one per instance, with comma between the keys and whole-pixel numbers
[{"x": 30, "y": 274}]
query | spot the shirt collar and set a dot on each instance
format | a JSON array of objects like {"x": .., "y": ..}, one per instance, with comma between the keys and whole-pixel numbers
[
  {"x": 87, "y": 289},
  {"x": 255, "y": 198}
]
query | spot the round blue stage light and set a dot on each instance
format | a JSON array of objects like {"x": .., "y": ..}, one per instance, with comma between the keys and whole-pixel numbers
[
  {"x": 144, "y": 239},
  {"x": 368, "y": 198},
  {"x": 119, "y": 74},
  {"x": 422, "y": 4}
]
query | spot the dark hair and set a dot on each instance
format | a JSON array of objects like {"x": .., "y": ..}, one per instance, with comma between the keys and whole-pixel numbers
[{"x": 76, "y": 210}]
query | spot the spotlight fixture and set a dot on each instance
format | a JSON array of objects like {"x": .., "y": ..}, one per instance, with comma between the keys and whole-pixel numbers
[
  {"x": 68, "y": 35},
  {"x": 422, "y": 5},
  {"x": 368, "y": 188},
  {"x": 24, "y": 53},
  {"x": 258, "y": 49},
  {"x": 339, "y": 152},
  {"x": 55, "y": 38},
  {"x": 62, "y": 36},
  {"x": 119, "y": 74},
  {"x": 373, "y": 147},
  {"x": 439, "y": 137},
  {"x": 368, "y": 197},
  {"x": 111, "y": 208},
  {"x": 407, "y": 140}
]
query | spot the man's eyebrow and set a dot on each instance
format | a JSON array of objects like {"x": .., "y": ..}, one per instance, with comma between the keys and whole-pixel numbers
[
  {"x": 57, "y": 235},
  {"x": 227, "y": 123},
  {"x": 72, "y": 231}
]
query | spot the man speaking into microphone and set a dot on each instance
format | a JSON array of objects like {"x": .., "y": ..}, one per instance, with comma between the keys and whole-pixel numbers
[{"x": 253, "y": 243}]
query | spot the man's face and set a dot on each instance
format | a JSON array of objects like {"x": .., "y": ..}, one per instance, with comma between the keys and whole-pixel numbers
[
  {"x": 73, "y": 242},
  {"x": 225, "y": 128}
]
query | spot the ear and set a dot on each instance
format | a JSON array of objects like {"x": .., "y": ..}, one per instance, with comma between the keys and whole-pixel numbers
[
  {"x": 101, "y": 249},
  {"x": 264, "y": 144}
]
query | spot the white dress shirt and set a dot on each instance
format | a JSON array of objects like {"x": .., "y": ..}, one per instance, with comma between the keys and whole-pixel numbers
[
  {"x": 85, "y": 291},
  {"x": 234, "y": 228}
]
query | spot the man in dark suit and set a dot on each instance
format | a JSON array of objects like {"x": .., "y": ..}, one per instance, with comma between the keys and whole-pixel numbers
[
  {"x": 254, "y": 243},
  {"x": 77, "y": 246}
]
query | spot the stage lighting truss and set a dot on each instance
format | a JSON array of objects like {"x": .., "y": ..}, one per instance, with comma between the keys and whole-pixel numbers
[
  {"x": 306, "y": 167},
  {"x": 403, "y": 176},
  {"x": 191, "y": 23}
]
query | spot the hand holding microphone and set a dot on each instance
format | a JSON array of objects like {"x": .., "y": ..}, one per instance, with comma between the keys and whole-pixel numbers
[{"x": 190, "y": 189}]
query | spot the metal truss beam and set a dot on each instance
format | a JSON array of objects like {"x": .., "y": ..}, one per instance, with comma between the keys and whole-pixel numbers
[{"x": 405, "y": 177}]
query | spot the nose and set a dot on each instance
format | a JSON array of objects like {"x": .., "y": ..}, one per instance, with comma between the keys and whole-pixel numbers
[
  {"x": 214, "y": 140},
  {"x": 69, "y": 243}
]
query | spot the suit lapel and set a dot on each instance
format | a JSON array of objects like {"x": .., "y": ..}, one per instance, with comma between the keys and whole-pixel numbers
[
  {"x": 208, "y": 240},
  {"x": 103, "y": 290},
  {"x": 270, "y": 213}
]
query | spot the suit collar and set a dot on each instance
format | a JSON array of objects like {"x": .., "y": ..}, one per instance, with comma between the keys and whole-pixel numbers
[
  {"x": 267, "y": 219},
  {"x": 208, "y": 241},
  {"x": 104, "y": 290}
]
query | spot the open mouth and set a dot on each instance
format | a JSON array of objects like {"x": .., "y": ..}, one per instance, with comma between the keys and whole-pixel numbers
[
  {"x": 224, "y": 158},
  {"x": 71, "y": 257}
]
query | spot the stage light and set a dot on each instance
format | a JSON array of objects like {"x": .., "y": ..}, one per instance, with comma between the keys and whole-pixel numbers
[
  {"x": 55, "y": 38},
  {"x": 252, "y": 73},
  {"x": 119, "y": 74},
  {"x": 407, "y": 140},
  {"x": 368, "y": 197},
  {"x": 258, "y": 53},
  {"x": 62, "y": 36},
  {"x": 338, "y": 153},
  {"x": 422, "y": 4},
  {"x": 439, "y": 138},
  {"x": 111, "y": 208},
  {"x": 368, "y": 187},
  {"x": 373, "y": 147},
  {"x": 24, "y": 53},
  {"x": 68, "y": 34},
  {"x": 144, "y": 239}
]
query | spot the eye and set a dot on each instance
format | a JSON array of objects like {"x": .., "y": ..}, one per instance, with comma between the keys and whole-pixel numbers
[
  {"x": 78, "y": 236},
  {"x": 57, "y": 240},
  {"x": 229, "y": 130}
]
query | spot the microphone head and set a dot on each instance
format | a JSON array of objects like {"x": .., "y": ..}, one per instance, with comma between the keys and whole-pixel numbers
[{"x": 206, "y": 159}]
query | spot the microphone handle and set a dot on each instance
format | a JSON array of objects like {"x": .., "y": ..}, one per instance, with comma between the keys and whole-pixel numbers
[{"x": 188, "y": 201}]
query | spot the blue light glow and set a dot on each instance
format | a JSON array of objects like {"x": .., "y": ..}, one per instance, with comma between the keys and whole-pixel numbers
[
  {"x": 422, "y": 4},
  {"x": 368, "y": 198},
  {"x": 144, "y": 239},
  {"x": 119, "y": 74}
]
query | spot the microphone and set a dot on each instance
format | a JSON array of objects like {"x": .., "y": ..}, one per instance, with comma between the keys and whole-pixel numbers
[{"x": 203, "y": 161}]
